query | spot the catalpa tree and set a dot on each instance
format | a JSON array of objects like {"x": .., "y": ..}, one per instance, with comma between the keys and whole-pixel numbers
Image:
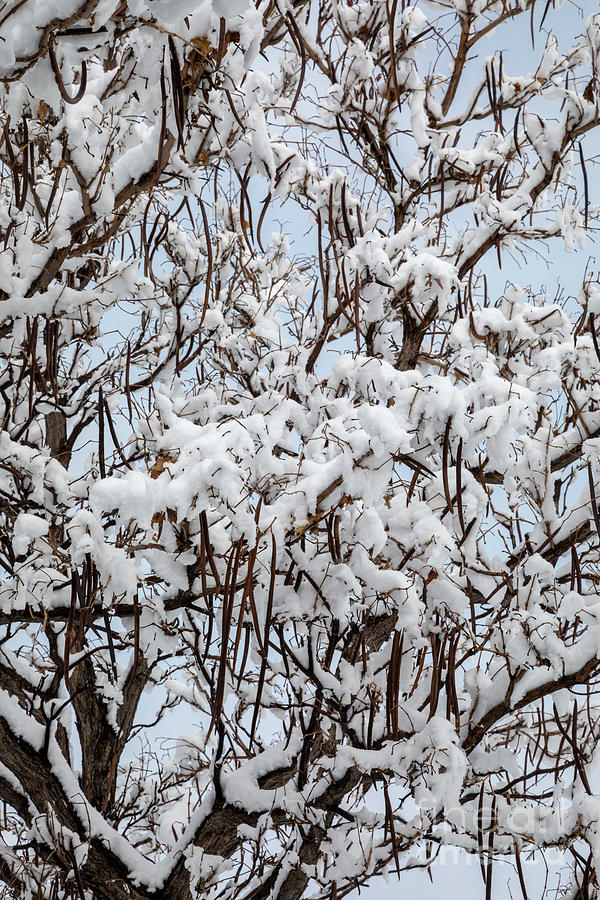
[{"x": 299, "y": 535}]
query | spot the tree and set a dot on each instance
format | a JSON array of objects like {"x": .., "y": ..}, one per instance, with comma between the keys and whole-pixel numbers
[{"x": 323, "y": 514}]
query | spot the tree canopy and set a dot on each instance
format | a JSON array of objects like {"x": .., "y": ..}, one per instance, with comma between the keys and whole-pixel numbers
[{"x": 299, "y": 524}]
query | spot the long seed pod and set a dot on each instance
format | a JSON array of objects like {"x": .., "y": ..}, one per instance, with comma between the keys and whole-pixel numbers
[
  {"x": 162, "y": 149},
  {"x": 59, "y": 81},
  {"x": 593, "y": 503},
  {"x": 101, "y": 459},
  {"x": 586, "y": 194},
  {"x": 393, "y": 684},
  {"x": 459, "y": 488},
  {"x": 445, "y": 464},
  {"x": 69, "y": 628},
  {"x": 520, "y": 872},
  {"x": 265, "y": 652},
  {"x": 490, "y": 855},
  {"x": 178, "y": 101}
]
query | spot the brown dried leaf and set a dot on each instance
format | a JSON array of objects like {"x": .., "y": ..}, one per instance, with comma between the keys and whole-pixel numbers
[
  {"x": 160, "y": 464},
  {"x": 203, "y": 45}
]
